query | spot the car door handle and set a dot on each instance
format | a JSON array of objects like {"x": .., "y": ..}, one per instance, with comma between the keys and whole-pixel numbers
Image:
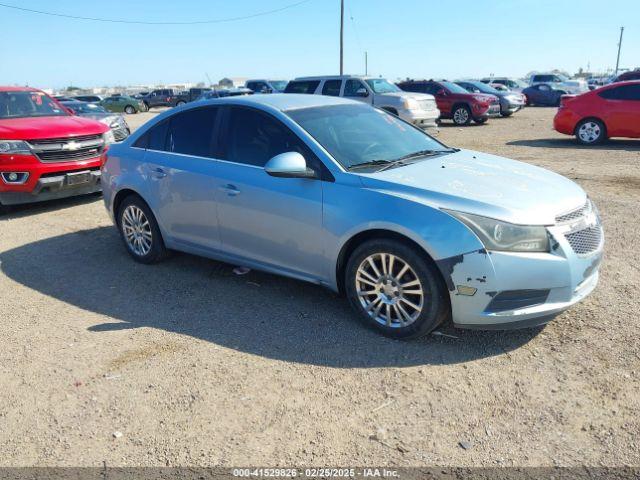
[
  {"x": 158, "y": 173},
  {"x": 231, "y": 190}
]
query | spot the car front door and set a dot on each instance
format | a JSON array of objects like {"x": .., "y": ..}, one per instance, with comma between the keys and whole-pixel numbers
[
  {"x": 182, "y": 171},
  {"x": 357, "y": 90},
  {"x": 275, "y": 222},
  {"x": 622, "y": 111}
]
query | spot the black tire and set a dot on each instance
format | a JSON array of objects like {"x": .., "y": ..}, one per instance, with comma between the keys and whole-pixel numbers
[
  {"x": 597, "y": 128},
  {"x": 180, "y": 103},
  {"x": 146, "y": 105},
  {"x": 506, "y": 114},
  {"x": 130, "y": 110},
  {"x": 480, "y": 121},
  {"x": 461, "y": 115},
  {"x": 158, "y": 251},
  {"x": 436, "y": 307}
]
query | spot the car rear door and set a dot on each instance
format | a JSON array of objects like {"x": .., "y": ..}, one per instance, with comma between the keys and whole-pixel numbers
[
  {"x": 622, "y": 110},
  {"x": 275, "y": 222},
  {"x": 182, "y": 175}
]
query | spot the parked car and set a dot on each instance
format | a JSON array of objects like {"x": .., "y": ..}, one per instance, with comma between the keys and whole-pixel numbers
[
  {"x": 418, "y": 109},
  {"x": 455, "y": 102},
  {"x": 630, "y": 75},
  {"x": 62, "y": 98},
  {"x": 189, "y": 95},
  {"x": 510, "y": 102},
  {"x": 560, "y": 82},
  {"x": 266, "y": 86},
  {"x": 115, "y": 122},
  {"x": 88, "y": 98},
  {"x": 45, "y": 152},
  {"x": 140, "y": 95},
  {"x": 122, "y": 103},
  {"x": 162, "y": 97},
  {"x": 609, "y": 111},
  {"x": 512, "y": 84},
  {"x": 225, "y": 92},
  {"x": 332, "y": 191},
  {"x": 543, "y": 95}
]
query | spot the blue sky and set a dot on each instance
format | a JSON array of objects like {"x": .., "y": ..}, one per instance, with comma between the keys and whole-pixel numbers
[{"x": 415, "y": 38}]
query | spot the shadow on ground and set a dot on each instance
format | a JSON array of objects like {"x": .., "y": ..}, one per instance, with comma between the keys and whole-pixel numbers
[
  {"x": 257, "y": 313},
  {"x": 569, "y": 142},
  {"x": 28, "y": 209}
]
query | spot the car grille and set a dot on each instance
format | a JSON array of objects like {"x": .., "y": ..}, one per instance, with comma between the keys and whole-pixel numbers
[
  {"x": 585, "y": 241},
  {"x": 67, "y": 149},
  {"x": 574, "y": 214}
]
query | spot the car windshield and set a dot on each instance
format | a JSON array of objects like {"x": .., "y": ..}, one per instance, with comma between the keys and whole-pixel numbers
[
  {"x": 279, "y": 85},
  {"x": 28, "y": 104},
  {"x": 380, "y": 85},
  {"x": 483, "y": 87},
  {"x": 453, "y": 87},
  {"x": 358, "y": 134},
  {"x": 86, "y": 108}
]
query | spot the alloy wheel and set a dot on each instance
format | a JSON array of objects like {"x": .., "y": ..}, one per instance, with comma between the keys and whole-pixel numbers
[
  {"x": 589, "y": 132},
  {"x": 137, "y": 230},
  {"x": 389, "y": 290},
  {"x": 461, "y": 116}
]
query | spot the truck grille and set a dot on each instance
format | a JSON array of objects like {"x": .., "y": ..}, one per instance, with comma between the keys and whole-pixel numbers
[
  {"x": 67, "y": 149},
  {"x": 585, "y": 241}
]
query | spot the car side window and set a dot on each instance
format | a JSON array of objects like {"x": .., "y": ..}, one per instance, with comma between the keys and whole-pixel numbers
[
  {"x": 254, "y": 138},
  {"x": 332, "y": 88},
  {"x": 626, "y": 92},
  {"x": 191, "y": 132},
  {"x": 302, "y": 86},
  {"x": 351, "y": 87},
  {"x": 157, "y": 136}
]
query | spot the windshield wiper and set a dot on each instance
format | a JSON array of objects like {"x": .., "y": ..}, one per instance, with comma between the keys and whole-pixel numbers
[{"x": 371, "y": 163}]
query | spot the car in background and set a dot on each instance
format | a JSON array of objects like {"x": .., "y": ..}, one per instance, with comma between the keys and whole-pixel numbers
[
  {"x": 456, "y": 103},
  {"x": 609, "y": 111},
  {"x": 190, "y": 95},
  {"x": 560, "y": 82},
  {"x": 512, "y": 84},
  {"x": 45, "y": 152},
  {"x": 123, "y": 103},
  {"x": 115, "y": 122},
  {"x": 140, "y": 95},
  {"x": 88, "y": 98},
  {"x": 630, "y": 75},
  {"x": 510, "y": 102},
  {"x": 161, "y": 97},
  {"x": 543, "y": 94},
  {"x": 63, "y": 98},
  {"x": 266, "y": 86},
  {"x": 225, "y": 92},
  {"x": 415, "y": 108},
  {"x": 334, "y": 192}
]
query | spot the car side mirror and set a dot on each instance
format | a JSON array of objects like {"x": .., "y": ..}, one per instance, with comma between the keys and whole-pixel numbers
[
  {"x": 289, "y": 165},
  {"x": 362, "y": 92}
]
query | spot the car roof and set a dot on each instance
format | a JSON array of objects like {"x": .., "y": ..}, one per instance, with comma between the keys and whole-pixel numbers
[
  {"x": 286, "y": 101},
  {"x": 336, "y": 77},
  {"x": 18, "y": 89}
]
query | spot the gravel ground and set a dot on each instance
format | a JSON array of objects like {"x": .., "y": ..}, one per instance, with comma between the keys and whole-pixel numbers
[{"x": 185, "y": 363}]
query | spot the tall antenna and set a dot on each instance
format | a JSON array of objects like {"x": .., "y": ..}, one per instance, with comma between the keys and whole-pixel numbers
[
  {"x": 341, "y": 37},
  {"x": 619, "y": 48}
]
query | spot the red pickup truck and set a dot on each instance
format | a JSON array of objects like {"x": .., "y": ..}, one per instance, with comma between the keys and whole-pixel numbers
[{"x": 45, "y": 152}]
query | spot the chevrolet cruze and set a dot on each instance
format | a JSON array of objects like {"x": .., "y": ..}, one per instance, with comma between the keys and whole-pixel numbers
[{"x": 341, "y": 194}]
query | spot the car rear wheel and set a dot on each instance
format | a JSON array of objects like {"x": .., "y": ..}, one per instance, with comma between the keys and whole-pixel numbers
[
  {"x": 179, "y": 103},
  {"x": 139, "y": 231},
  {"x": 506, "y": 114},
  {"x": 129, "y": 109},
  {"x": 590, "y": 132},
  {"x": 395, "y": 290},
  {"x": 462, "y": 115}
]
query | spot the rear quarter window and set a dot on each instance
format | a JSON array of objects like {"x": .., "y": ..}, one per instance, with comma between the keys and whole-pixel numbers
[{"x": 302, "y": 86}]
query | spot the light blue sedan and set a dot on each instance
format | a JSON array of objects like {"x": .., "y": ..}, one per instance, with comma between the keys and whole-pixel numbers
[{"x": 341, "y": 194}]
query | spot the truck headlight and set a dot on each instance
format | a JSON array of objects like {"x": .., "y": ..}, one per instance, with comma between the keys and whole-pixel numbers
[
  {"x": 503, "y": 236},
  {"x": 109, "y": 138},
  {"x": 14, "y": 147}
]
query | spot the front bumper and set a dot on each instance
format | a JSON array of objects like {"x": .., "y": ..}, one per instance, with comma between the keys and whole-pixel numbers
[
  {"x": 504, "y": 290},
  {"x": 421, "y": 118},
  {"x": 509, "y": 107},
  {"x": 54, "y": 187}
]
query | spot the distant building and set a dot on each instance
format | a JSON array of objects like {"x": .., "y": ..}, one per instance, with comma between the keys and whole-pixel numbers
[{"x": 232, "y": 82}]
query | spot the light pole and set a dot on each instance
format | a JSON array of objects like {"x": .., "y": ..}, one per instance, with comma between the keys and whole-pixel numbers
[
  {"x": 619, "y": 48},
  {"x": 341, "y": 37}
]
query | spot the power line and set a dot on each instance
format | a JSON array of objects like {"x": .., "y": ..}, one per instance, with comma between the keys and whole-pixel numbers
[{"x": 142, "y": 22}]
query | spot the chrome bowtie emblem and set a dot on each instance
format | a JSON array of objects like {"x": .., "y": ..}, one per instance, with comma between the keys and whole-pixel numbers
[{"x": 71, "y": 146}]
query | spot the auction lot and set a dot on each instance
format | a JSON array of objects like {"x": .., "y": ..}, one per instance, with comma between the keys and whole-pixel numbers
[{"x": 186, "y": 363}]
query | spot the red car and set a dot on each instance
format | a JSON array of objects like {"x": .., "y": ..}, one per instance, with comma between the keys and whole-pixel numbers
[
  {"x": 45, "y": 152},
  {"x": 455, "y": 102},
  {"x": 609, "y": 111}
]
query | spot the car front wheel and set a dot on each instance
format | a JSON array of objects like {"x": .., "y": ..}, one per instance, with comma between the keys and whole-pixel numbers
[
  {"x": 139, "y": 231},
  {"x": 462, "y": 115},
  {"x": 129, "y": 110},
  {"x": 590, "y": 132},
  {"x": 395, "y": 290}
]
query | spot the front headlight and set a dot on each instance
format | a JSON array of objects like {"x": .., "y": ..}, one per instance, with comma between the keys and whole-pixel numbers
[
  {"x": 411, "y": 104},
  {"x": 109, "y": 138},
  {"x": 503, "y": 236},
  {"x": 14, "y": 147}
]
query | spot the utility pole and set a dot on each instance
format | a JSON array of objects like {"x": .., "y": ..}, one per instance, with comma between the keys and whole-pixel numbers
[
  {"x": 341, "y": 37},
  {"x": 619, "y": 48},
  {"x": 366, "y": 63}
]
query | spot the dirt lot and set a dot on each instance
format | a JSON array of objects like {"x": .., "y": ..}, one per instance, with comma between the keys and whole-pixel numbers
[{"x": 184, "y": 363}]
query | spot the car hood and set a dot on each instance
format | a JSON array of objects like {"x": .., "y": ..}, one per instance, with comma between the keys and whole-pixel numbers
[
  {"x": 38, "y": 128},
  {"x": 483, "y": 184},
  {"x": 103, "y": 117}
]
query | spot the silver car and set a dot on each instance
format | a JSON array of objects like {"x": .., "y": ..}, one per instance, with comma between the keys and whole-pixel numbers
[{"x": 337, "y": 193}]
